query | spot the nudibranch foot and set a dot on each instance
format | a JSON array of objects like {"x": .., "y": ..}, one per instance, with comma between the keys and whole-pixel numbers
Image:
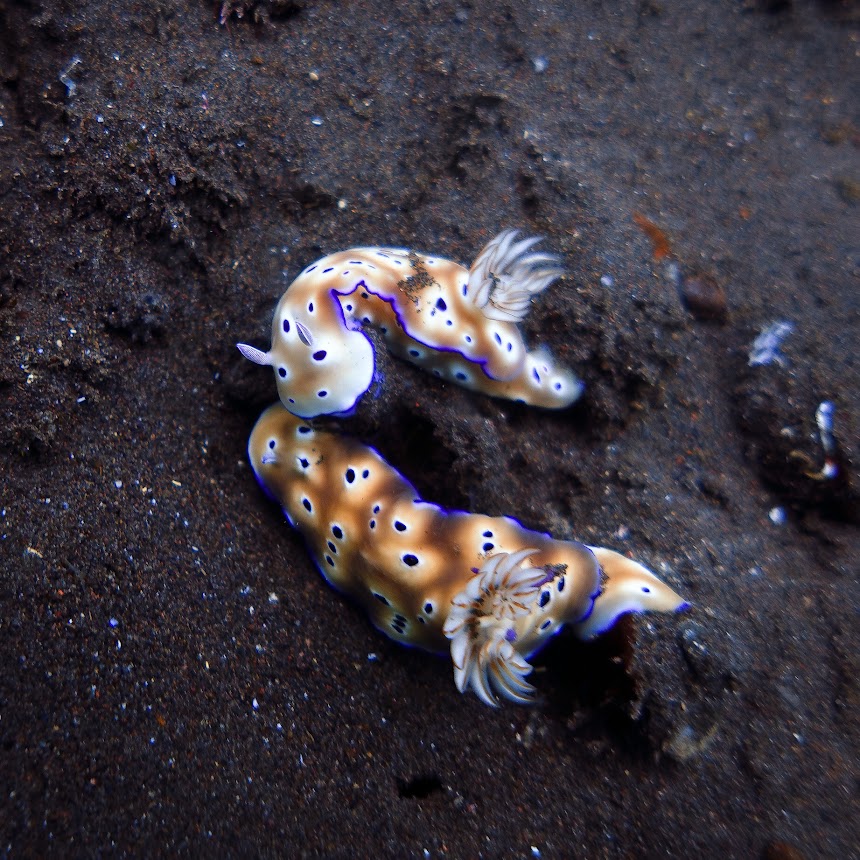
[
  {"x": 458, "y": 324},
  {"x": 486, "y": 589}
]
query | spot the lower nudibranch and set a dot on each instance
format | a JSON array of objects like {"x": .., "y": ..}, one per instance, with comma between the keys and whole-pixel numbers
[
  {"x": 459, "y": 324},
  {"x": 486, "y": 588}
]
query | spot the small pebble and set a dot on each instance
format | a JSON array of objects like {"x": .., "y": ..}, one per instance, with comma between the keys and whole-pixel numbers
[
  {"x": 848, "y": 189},
  {"x": 704, "y": 298},
  {"x": 779, "y": 850},
  {"x": 777, "y": 515}
]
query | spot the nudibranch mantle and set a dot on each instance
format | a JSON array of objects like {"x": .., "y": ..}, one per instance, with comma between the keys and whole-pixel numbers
[
  {"x": 486, "y": 588},
  {"x": 458, "y": 324}
]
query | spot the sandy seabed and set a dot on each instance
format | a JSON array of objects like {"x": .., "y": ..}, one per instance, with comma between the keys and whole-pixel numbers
[{"x": 176, "y": 677}]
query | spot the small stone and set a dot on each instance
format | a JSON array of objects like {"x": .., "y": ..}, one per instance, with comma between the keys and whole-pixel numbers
[
  {"x": 839, "y": 133},
  {"x": 704, "y": 298},
  {"x": 848, "y": 189},
  {"x": 777, "y": 516},
  {"x": 779, "y": 850}
]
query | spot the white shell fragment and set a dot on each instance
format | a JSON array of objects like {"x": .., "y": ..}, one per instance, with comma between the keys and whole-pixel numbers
[
  {"x": 487, "y": 589},
  {"x": 459, "y": 324},
  {"x": 765, "y": 348}
]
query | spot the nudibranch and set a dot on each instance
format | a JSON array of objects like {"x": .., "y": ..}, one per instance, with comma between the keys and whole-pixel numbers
[
  {"x": 486, "y": 588},
  {"x": 458, "y": 324}
]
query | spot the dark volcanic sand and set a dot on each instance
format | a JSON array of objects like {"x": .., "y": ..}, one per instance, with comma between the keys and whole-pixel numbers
[{"x": 176, "y": 677}]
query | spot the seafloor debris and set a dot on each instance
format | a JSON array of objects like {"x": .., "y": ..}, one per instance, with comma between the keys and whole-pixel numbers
[
  {"x": 765, "y": 347},
  {"x": 830, "y": 467},
  {"x": 703, "y": 297},
  {"x": 64, "y": 78},
  {"x": 661, "y": 248}
]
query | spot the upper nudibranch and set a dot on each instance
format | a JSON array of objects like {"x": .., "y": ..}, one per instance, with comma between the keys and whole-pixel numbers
[
  {"x": 487, "y": 588},
  {"x": 459, "y": 324}
]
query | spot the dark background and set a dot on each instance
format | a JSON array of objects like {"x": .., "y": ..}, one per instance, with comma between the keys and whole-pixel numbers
[{"x": 174, "y": 674}]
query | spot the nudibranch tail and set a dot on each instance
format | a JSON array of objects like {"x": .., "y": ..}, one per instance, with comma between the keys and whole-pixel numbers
[
  {"x": 628, "y": 587},
  {"x": 460, "y": 325},
  {"x": 486, "y": 589}
]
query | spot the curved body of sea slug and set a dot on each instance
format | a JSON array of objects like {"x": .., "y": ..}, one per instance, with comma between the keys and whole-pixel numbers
[
  {"x": 458, "y": 324},
  {"x": 487, "y": 588}
]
